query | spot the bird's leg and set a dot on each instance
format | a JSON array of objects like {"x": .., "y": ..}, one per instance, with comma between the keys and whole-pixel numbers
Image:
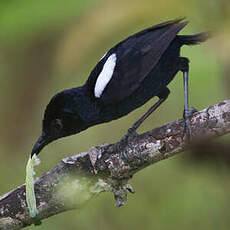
[
  {"x": 187, "y": 112},
  {"x": 162, "y": 97}
]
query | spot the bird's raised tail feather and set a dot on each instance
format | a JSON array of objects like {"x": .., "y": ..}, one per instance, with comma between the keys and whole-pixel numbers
[{"x": 194, "y": 39}]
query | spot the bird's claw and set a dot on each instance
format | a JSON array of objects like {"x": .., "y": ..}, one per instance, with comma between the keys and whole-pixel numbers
[
  {"x": 188, "y": 113},
  {"x": 187, "y": 116},
  {"x": 132, "y": 132}
]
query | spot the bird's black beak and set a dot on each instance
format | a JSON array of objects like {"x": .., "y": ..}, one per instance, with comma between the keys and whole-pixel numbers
[{"x": 42, "y": 141}]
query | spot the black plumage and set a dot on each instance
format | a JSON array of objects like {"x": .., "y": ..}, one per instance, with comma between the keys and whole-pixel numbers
[{"x": 136, "y": 69}]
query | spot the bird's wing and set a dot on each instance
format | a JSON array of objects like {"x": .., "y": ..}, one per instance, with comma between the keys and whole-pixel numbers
[{"x": 121, "y": 71}]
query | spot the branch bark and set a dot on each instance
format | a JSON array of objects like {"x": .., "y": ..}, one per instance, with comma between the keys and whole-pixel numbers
[{"x": 108, "y": 167}]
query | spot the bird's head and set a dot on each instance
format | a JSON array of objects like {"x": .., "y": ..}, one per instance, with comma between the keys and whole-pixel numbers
[{"x": 61, "y": 119}]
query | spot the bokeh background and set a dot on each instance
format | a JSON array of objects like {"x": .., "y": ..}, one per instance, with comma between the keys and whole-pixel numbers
[{"x": 47, "y": 46}]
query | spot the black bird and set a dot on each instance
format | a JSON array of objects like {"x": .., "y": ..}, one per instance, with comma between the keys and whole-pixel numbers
[{"x": 127, "y": 76}]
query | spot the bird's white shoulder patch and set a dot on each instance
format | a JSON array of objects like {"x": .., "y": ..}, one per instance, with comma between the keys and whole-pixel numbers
[{"x": 105, "y": 75}]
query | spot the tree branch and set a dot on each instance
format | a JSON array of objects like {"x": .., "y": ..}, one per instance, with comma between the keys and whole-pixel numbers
[{"x": 108, "y": 167}]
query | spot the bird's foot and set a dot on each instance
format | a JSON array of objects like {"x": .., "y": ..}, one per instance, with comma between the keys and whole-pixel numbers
[
  {"x": 187, "y": 116},
  {"x": 131, "y": 134},
  {"x": 189, "y": 113}
]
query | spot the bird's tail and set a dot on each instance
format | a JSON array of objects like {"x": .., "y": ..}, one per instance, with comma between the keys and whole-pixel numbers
[{"x": 194, "y": 39}]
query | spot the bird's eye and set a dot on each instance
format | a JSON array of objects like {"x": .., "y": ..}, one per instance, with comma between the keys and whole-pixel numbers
[{"x": 57, "y": 124}]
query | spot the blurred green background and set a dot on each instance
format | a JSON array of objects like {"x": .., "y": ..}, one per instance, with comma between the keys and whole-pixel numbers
[{"x": 47, "y": 46}]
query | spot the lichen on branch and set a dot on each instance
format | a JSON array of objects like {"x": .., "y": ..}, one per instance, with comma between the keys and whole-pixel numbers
[{"x": 108, "y": 167}]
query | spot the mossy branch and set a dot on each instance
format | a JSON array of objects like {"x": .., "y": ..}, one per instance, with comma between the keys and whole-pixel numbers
[{"x": 108, "y": 167}]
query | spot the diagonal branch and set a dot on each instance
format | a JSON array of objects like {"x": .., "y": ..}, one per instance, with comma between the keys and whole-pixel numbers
[{"x": 108, "y": 167}]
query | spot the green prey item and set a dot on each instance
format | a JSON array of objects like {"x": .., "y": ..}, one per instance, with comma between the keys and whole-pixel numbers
[{"x": 30, "y": 194}]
